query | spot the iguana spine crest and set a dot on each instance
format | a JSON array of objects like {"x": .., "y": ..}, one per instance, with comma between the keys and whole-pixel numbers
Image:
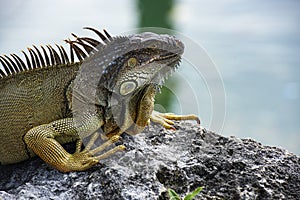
[{"x": 81, "y": 47}]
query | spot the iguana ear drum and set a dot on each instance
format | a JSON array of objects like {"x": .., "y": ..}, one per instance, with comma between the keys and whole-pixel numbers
[{"x": 127, "y": 87}]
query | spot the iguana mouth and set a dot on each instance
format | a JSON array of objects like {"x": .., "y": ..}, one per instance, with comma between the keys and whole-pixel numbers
[
  {"x": 173, "y": 61},
  {"x": 166, "y": 56}
]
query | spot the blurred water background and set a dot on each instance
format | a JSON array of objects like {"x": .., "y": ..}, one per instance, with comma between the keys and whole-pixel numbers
[{"x": 254, "y": 44}]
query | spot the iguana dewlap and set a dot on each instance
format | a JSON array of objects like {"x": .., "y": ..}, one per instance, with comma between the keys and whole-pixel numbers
[{"x": 110, "y": 89}]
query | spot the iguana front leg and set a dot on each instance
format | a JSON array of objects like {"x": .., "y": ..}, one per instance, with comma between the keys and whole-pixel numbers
[
  {"x": 42, "y": 140},
  {"x": 166, "y": 119}
]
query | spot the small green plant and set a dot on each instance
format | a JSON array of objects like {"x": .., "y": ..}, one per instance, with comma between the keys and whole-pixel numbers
[{"x": 174, "y": 196}]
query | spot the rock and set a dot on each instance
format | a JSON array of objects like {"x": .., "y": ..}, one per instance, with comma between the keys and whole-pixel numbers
[{"x": 158, "y": 159}]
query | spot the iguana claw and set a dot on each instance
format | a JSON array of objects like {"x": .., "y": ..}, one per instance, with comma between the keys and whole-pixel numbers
[
  {"x": 166, "y": 119},
  {"x": 87, "y": 158}
]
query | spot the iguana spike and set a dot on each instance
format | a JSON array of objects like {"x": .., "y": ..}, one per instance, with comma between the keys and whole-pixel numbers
[
  {"x": 4, "y": 64},
  {"x": 78, "y": 40},
  {"x": 40, "y": 56},
  {"x": 79, "y": 53},
  {"x": 63, "y": 60},
  {"x": 51, "y": 55},
  {"x": 71, "y": 49},
  {"x": 98, "y": 33},
  {"x": 75, "y": 36},
  {"x": 46, "y": 56},
  {"x": 91, "y": 41},
  {"x": 27, "y": 60},
  {"x": 33, "y": 61},
  {"x": 20, "y": 68},
  {"x": 37, "y": 62},
  {"x": 107, "y": 34},
  {"x": 2, "y": 73},
  {"x": 86, "y": 47},
  {"x": 8, "y": 64},
  {"x": 19, "y": 61},
  {"x": 65, "y": 54},
  {"x": 56, "y": 56},
  {"x": 13, "y": 64}
]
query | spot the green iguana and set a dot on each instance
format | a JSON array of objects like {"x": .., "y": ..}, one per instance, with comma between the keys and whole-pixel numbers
[{"x": 110, "y": 84}]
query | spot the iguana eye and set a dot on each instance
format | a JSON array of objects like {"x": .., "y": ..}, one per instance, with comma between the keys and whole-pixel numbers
[
  {"x": 153, "y": 46},
  {"x": 131, "y": 62},
  {"x": 127, "y": 87}
]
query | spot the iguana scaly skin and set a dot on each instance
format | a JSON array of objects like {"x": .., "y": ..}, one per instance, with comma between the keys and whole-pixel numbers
[{"x": 53, "y": 99}]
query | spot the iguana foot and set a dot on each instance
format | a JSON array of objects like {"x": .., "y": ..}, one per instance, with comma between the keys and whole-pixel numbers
[
  {"x": 87, "y": 158},
  {"x": 42, "y": 140},
  {"x": 100, "y": 148},
  {"x": 166, "y": 119}
]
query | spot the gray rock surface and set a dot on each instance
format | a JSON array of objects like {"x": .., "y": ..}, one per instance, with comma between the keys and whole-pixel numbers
[{"x": 228, "y": 168}]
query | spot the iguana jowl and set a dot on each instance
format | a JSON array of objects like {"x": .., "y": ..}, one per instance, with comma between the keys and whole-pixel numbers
[{"x": 111, "y": 88}]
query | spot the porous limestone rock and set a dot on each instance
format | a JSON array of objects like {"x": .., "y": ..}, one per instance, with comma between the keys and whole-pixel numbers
[{"x": 158, "y": 159}]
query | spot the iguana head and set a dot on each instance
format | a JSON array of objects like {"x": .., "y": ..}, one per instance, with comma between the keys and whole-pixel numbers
[
  {"x": 134, "y": 77},
  {"x": 124, "y": 75}
]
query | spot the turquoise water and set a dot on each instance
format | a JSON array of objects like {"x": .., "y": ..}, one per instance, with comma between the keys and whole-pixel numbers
[{"x": 254, "y": 45}]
